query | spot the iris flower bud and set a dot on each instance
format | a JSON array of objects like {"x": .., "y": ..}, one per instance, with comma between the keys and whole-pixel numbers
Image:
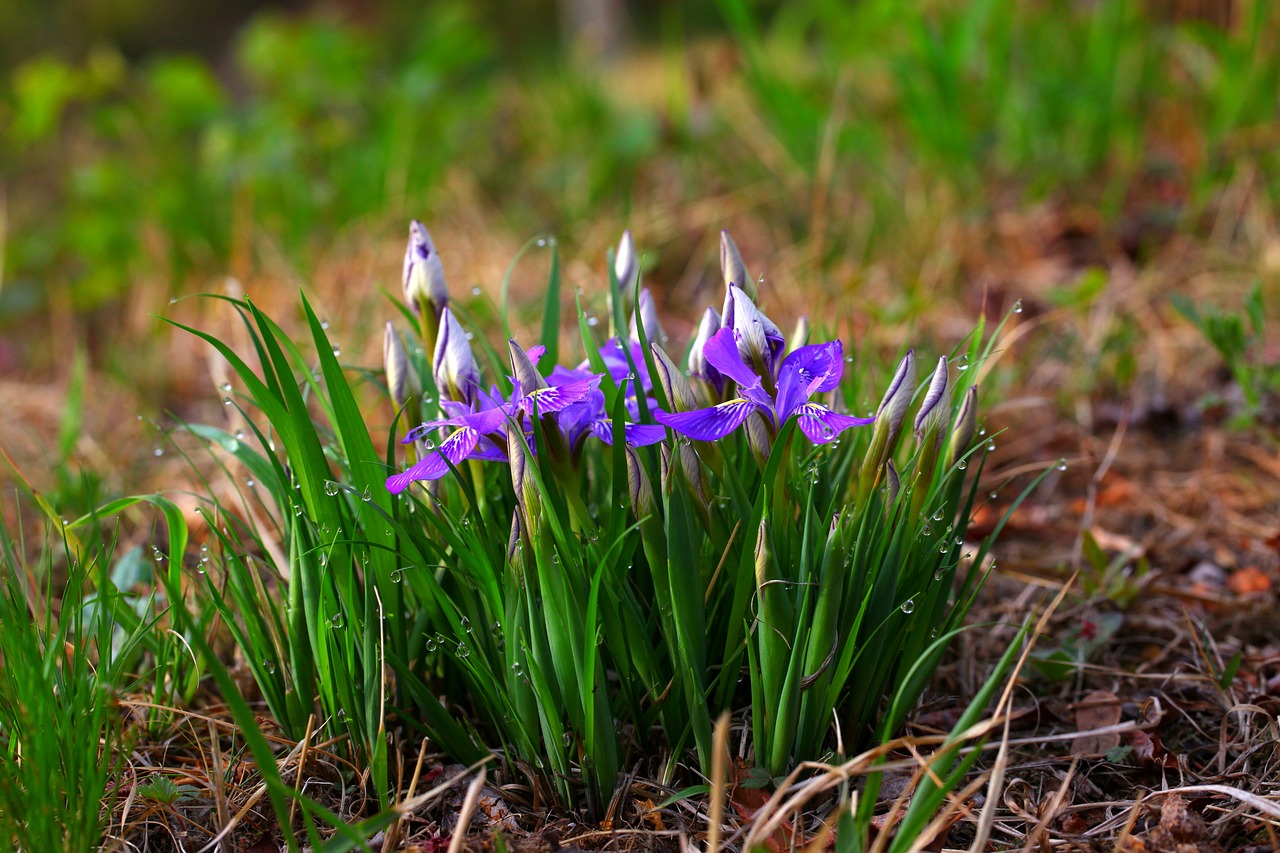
[
  {"x": 965, "y": 426},
  {"x": 673, "y": 382},
  {"x": 525, "y": 373},
  {"x": 454, "y": 365},
  {"x": 896, "y": 401},
  {"x": 424, "y": 285},
  {"x": 642, "y": 500},
  {"x": 707, "y": 326},
  {"x": 892, "y": 482},
  {"x": 624, "y": 261},
  {"x": 646, "y": 315},
  {"x": 402, "y": 381},
  {"x": 935, "y": 410},
  {"x": 889, "y": 418},
  {"x": 732, "y": 267},
  {"x": 526, "y": 487}
]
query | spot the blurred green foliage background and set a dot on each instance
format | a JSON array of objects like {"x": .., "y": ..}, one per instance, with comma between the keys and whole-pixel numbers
[{"x": 145, "y": 141}]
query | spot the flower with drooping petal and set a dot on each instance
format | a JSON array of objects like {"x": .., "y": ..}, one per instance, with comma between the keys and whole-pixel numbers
[
  {"x": 424, "y": 285},
  {"x": 813, "y": 369},
  {"x": 454, "y": 365}
]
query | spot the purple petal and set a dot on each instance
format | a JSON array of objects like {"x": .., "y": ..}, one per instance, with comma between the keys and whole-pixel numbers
[
  {"x": 550, "y": 399},
  {"x": 710, "y": 424},
  {"x": 642, "y": 435},
  {"x": 819, "y": 365},
  {"x": 721, "y": 352},
  {"x": 822, "y": 425},
  {"x": 453, "y": 449}
]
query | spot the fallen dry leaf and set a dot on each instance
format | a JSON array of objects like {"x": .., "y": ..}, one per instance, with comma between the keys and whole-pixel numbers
[
  {"x": 1249, "y": 581},
  {"x": 1099, "y": 709}
]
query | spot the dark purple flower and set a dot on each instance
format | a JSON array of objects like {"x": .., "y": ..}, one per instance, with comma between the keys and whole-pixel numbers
[{"x": 809, "y": 370}]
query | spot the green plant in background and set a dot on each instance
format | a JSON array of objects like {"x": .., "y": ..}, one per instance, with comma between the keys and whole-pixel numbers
[{"x": 1240, "y": 339}]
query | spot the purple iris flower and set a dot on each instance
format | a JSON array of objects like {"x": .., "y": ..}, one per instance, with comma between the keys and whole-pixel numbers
[
  {"x": 481, "y": 428},
  {"x": 809, "y": 370}
]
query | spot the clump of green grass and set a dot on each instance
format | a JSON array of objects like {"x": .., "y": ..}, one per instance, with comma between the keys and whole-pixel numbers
[{"x": 561, "y": 563}]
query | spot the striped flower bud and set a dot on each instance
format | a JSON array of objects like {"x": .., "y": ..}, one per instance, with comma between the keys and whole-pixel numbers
[
  {"x": 935, "y": 410},
  {"x": 646, "y": 315},
  {"x": 642, "y": 500},
  {"x": 424, "y": 285},
  {"x": 965, "y": 426},
  {"x": 454, "y": 365},
  {"x": 674, "y": 384},
  {"x": 732, "y": 267},
  {"x": 402, "y": 381}
]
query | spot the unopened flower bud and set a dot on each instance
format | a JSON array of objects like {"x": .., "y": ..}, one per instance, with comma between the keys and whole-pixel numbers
[
  {"x": 642, "y": 501},
  {"x": 732, "y": 267},
  {"x": 965, "y": 426},
  {"x": 524, "y": 370},
  {"x": 934, "y": 411},
  {"x": 762, "y": 552},
  {"x": 522, "y": 479},
  {"x": 454, "y": 365},
  {"x": 707, "y": 326},
  {"x": 673, "y": 382},
  {"x": 892, "y": 482},
  {"x": 896, "y": 401},
  {"x": 424, "y": 285},
  {"x": 402, "y": 381},
  {"x": 624, "y": 262},
  {"x": 646, "y": 314}
]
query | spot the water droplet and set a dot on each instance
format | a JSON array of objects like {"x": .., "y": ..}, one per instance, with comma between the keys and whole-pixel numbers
[
  {"x": 366, "y": 495},
  {"x": 944, "y": 549},
  {"x": 330, "y": 488},
  {"x": 933, "y": 635},
  {"x": 517, "y": 669},
  {"x": 982, "y": 432},
  {"x": 1062, "y": 464},
  {"x": 464, "y": 651},
  {"x": 476, "y": 291},
  {"x": 593, "y": 321},
  {"x": 397, "y": 576},
  {"x": 269, "y": 666},
  {"x": 250, "y": 482},
  {"x": 428, "y": 445},
  {"x": 297, "y": 509},
  {"x": 959, "y": 540},
  {"x": 937, "y": 516},
  {"x": 337, "y": 350},
  {"x": 542, "y": 241},
  {"x": 466, "y": 624},
  {"x": 991, "y": 445},
  {"x": 430, "y": 644},
  {"x": 324, "y": 324},
  {"x": 240, "y": 435},
  {"x": 226, "y": 401},
  {"x": 962, "y": 465},
  {"x": 909, "y": 606},
  {"x": 1017, "y": 307},
  {"x": 555, "y": 559},
  {"x": 335, "y": 621},
  {"x": 224, "y": 387},
  {"x": 159, "y": 451},
  {"x": 937, "y": 576},
  {"x": 994, "y": 495}
]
